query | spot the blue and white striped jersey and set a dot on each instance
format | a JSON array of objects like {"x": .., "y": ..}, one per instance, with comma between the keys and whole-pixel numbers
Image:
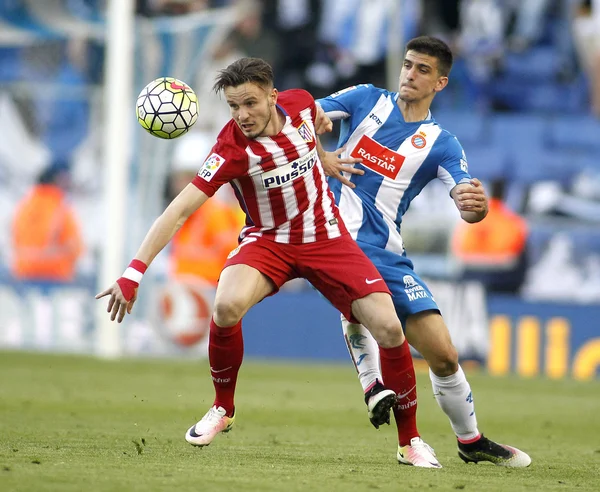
[{"x": 399, "y": 159}]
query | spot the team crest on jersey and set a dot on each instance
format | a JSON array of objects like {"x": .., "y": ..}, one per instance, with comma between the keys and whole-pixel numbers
[
  {"x": 413, "y": 290},
  {"x": 380, "y": 159},
  {"x": 212, "y": 163},
  {"x": 418, "y": 140},
  {"x": 409, "y": 281},
  {"x": 305, "y": 132}
]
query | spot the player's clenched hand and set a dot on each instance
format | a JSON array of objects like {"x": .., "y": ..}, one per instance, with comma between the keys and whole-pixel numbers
[
  {"x": 322, "y": 122},
  {"x": 471, "y": 197},
  {"x": 118, "y": 303},
  {"x": 334, "y": 165}
]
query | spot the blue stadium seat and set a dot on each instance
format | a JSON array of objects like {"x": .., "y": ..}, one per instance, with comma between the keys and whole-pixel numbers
[
  {"x": 542, "y": 95},
  {"x": 580, "y": 132},
  {"x": 470, "y": 127},
  {"x": 519, "y": 132},
  {"x": 506, "y": 92},
  {"x": 10, "y": 64},
  {"x": 587, "y": 160},
  {"x": 486, "y": 162},
  {"x": 554, "y": 97},
  {"x": 543, "y": 165},
  {"x": 528, "y": 168},
  {"x": 533, "y": 65}
]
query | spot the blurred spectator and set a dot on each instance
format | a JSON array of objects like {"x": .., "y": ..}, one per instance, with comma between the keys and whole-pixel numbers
[
  {"x": 200, "y": 247},
  {"x": 294, "y": 24},
  {"x": 151, "y": 8},
  {"x": 60, "y": 112},
  {"x": 249, "y": 35},
  {"x": 529, "y": 22},
  {"x": 441, "y": 18},
  {"x": 353, "y": 42},
  {"x": 493, "y": 251},
  {"x": 515, "y": 51},
  {"x": 45, "y": 233},
  {"x": 569, "y": 67},
  {"x": 213, "y": 113},
  {"x": 586, "y": 30},
  {"x": 481, "y": 40}
]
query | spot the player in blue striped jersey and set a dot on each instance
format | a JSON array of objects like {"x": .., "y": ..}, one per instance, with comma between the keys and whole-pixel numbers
[{"x": 401, "y": 148}]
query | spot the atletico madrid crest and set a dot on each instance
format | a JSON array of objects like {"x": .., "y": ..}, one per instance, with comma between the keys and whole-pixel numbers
[{"x": 305, "y": 132}]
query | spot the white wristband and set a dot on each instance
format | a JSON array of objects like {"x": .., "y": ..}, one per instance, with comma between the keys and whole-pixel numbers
[{"x": 133, "y": 274}]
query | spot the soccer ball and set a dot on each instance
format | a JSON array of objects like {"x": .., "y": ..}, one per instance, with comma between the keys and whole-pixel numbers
[{"x": 167, "y": 107}]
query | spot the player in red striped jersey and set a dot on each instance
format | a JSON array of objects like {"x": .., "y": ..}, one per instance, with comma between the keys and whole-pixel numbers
[{"x": 269, "y": 153}]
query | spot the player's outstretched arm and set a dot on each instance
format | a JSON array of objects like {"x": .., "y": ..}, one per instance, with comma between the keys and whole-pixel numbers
[
  {"x": 471, "y": 201},
  {"x": 123, "y": 293},
  {"x": 334, "y": 165}
]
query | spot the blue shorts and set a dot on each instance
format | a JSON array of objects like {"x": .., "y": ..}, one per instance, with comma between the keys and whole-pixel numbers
[{"x": 409, "y": 292}]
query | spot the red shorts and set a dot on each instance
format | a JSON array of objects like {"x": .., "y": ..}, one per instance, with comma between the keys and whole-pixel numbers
[{"x": 337, "y": 268}]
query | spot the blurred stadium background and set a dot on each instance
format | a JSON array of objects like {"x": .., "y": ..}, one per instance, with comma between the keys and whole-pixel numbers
[{"x": 523, "y": 100}]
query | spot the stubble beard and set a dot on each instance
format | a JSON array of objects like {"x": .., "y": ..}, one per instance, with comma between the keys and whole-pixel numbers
[{"x": 259, "y": 133}]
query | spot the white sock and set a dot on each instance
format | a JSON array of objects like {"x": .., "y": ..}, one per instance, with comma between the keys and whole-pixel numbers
[
  {"x": 454, "y": 396},
  {"x": 364, "y": 352}
]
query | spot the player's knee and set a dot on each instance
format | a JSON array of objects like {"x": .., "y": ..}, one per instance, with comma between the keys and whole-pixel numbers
[
  {"x": 228, "y": 311},
  {"x": 446, "y": 363},
  {"x": 388, "y": 332}
]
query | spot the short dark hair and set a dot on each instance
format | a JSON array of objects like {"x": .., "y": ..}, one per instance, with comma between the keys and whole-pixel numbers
[
  {"x": 428, "y": 45},
  {"x": 254, "y": 70}
]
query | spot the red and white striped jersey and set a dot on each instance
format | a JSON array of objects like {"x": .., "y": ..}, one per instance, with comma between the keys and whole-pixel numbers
[{"x": 279, "y": 181}]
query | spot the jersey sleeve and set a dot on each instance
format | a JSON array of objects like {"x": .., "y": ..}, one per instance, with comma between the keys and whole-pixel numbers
[
  {"x": 310, "y": 101},
  {"x": 220, "y": 167},
  {"x": 342, "y": 104},
  {"x": 296, "y": 100},
  {"x": 453, "y": 168}
]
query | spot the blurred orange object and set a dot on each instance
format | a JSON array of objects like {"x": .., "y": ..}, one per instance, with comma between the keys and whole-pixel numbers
[
  {"x": 201, "y": 246},
  {"x": 497, "y": 240},
  {"x": 46, "y": 237}
]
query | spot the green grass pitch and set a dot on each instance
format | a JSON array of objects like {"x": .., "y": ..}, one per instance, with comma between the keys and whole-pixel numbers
[{"x": 75, "y": 423}]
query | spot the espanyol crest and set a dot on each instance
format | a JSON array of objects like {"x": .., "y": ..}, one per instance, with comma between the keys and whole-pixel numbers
[{"x": 409, "y": 281}]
